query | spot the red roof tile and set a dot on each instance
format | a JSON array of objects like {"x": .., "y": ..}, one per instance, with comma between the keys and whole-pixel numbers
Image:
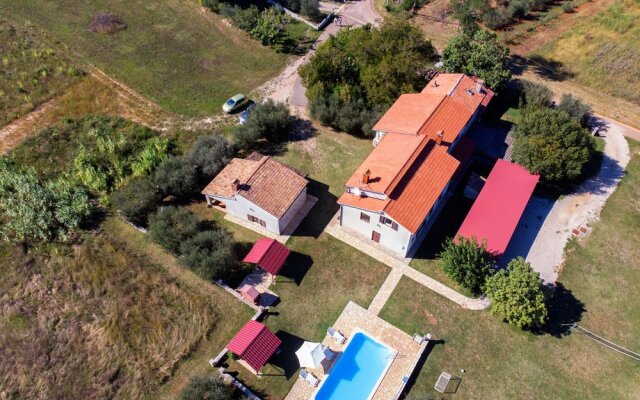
[
  {"x": 255, "y": 344},
  {"x": 417, "y": 192},
  {"x": 268, "y": 254},
  {"x": 409, "y": 113},
  {"x": 497, "y": 210}
]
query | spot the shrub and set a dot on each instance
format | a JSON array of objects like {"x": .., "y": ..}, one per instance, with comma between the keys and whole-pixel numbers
[
  {"x": 269, "y": 26},
  {"x": 209, "y": 154},
  {"x": 246, "y": 19},
  {"x": 479, "y": 54},
  {"x": 293, "y": 5},
  {"x": 270, "y": 121},
  {"x": 467, "y": 262},
  {"x": 32, "y": 209},
  {"x": 536, "y": 94},
  {"x": 177, "y": 177},
  {"x": 517, "y": 295},
  {"x": 171, "y": 226},
  {"x": 551, "y": 143},
  {"x": 209, "y": 253},
  {"x": 576, "y": 109},
  {"x": 310, "y": 8},
  {"x": 568, "y": 6},
  {"x": 206, "y": 388},
  {"x": 137, "y": 200},
  {"x": 155, "y": 151}
]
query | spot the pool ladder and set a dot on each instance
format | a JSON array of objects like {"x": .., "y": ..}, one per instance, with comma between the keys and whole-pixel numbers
[{"x": 394, "y": 355}]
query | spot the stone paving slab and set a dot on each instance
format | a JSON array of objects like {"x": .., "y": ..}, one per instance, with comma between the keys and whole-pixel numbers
[
  {"x": 335, "y": 230},
  {"x": 287, "y": 231},
  {"x": 385, "y": 291}
]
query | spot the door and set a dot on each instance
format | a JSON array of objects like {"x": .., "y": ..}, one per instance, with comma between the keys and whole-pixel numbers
[{"x": 375, "y": 236}]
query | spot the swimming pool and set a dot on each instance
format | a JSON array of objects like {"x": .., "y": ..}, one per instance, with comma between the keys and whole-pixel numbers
[{"x": 358, "y": 371}]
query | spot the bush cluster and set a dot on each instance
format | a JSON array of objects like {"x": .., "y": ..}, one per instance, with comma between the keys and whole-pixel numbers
[
  {"x": 266, "y": 25},
  {"x": 207, "y": 388},
  {"x": 268, "y": 121},
  {"x": 467, "y": 262},
  {"x": 365, "y": 69},
  {"x": 33, "y": 209},
  {"x": 495, "y": 15},
  {"x": 205, "y": 249}
]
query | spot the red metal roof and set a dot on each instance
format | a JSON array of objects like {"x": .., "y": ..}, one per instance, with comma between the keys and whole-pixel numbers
[
  {"x": 497, "y": 210},
  {"x": 268, "y": 254},
  {"x": 254, "y": 344}
]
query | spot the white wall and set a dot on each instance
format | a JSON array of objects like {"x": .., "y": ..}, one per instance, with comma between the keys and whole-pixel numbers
[
  {"x": 396, "y": 241},
  {"x": 240, "y": 207},
  {"x": 293, "y": 210}
]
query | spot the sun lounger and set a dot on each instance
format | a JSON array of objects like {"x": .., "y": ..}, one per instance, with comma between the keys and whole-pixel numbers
[
  {"x": 339, "y": 337},
  {"x": 313, "y": 381},
  {"x": 328, "y": 354}
]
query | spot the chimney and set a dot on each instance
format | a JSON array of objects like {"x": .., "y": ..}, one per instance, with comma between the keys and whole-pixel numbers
[
  {"x": 478, "y": 87},
  {"x": 235, "y": 184},
  {"x": 439, "y": 137},
  {"x": 365, "y": 177}
]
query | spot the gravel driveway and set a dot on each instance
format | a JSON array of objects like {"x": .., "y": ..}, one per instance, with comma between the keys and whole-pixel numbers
[{"x": 547, "y": 225}]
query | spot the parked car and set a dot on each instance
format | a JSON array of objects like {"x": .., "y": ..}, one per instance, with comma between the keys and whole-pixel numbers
[
  {"x": 244, "y": 115},
  {"x": 234, "y": 103}
]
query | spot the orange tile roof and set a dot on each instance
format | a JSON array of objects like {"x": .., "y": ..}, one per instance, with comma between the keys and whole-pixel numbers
[
  {"x": 409, "y": 113},
  {"x": 365, "y": 203},
  {"x": 385, "y": 162},
  {"x": 442, "y": 83},
  {"x": 273, "y": 187},
  {"x": 267, "y": 183},
  {"x": 419, "y": 189}
]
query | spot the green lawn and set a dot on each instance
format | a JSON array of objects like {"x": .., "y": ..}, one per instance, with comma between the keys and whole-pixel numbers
[
  {"x": 181, "y": 57},
  {"x": 601, "y": 276}
]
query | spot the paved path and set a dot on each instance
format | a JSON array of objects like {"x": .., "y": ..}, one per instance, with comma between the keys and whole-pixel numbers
[
  {"x": 400, "y": 269},
  {"x": 547, "y": 225}
]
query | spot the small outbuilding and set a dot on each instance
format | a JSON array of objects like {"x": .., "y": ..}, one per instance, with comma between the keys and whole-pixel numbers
[
  {"x": 268, "y": 254},
  {"x": 254, "y": 344},
  {"x": 495, "y": 214},
  {"x": 249, "y": 293}
]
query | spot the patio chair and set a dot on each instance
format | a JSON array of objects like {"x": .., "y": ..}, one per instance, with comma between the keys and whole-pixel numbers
[
  {"x": 328, "y": 354},
  {"x": 337, "y": 336},
  {"x": 313, "y": 381}
]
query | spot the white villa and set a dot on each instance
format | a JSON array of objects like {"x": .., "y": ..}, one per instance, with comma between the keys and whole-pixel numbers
[{"x": 420, "y": 150}]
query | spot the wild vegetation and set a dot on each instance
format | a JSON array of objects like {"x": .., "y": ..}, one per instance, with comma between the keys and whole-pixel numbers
[
  {"x": 32, "y": 72},
  {"x": 601, "y": 51},
  {"x": 571, "y": 365},
  {"x": 208, "y": 388},
  {"x": 353, "y": 77},
  {"x": 499, "y": 14},
  {"x": 268, "y": 123}
]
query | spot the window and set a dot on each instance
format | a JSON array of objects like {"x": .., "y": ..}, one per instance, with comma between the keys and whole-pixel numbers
[
  {"x": 364, "y": 217},
  {"x": 256, "y": 220},
  {"x": 386, "y": 221}
]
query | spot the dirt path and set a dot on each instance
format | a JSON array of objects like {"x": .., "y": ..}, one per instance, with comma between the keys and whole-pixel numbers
[{"x": 546, "y": 226}]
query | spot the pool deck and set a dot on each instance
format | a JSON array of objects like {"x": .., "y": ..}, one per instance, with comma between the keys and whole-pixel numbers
[{"x": 355, "y": 318}]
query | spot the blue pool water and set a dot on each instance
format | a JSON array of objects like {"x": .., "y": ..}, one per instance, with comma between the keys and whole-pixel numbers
[{"x": 357, "y": 371}]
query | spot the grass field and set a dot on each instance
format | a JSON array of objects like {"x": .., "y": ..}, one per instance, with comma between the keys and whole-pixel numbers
[
  {"x": 502, "y": 362},
  {"x": 602, "y": 51},
  {"x": 186, "y": 60},
  {"x": 32, "y": 71},
  {"x": 83, "y": 322}
]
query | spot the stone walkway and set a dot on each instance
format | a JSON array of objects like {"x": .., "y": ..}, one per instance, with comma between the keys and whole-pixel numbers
[
  {"x": 400, "y": 269},
  {"x": 287, "y": 232}
]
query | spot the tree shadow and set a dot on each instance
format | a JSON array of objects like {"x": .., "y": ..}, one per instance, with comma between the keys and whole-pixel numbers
[
  {"x": 420, "y": 364},
  {"x": 318, "y": 218},
  {"x": 544, "y": 67},
  {"x": 301, "y": 129},
  {"x": 564, "y": 310},
  {"x": 296, "y": 267}
]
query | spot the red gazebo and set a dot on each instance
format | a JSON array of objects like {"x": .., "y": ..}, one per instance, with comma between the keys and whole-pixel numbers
[
  {"x": 254, "y": 344},
  {"x": 268, "y": 254}
]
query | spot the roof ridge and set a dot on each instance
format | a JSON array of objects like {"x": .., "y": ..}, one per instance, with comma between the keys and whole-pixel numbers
[
  {"x": 260, "y": 164},
  {"x": 407, "y": 164}
]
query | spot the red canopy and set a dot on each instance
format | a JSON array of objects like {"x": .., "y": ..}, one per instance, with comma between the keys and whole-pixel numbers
[
  {"x": 268, "y": 254},
  {"x": 497, "y": 210},
  {"x": 254, "y": 344}
]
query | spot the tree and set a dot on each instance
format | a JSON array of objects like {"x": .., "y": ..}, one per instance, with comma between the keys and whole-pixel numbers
[
  {"x": 310, "y": 8},
  {"x": 576, "y": 108},
  {"x": 270, "y": 121},
  {"x": 206, "y": 388},
  {"x": 31, "y": 209},
  {"x": 479, "y": 54},
  {"x": 269, "y": 27},
  {"x": 536, "y": 94},
  {"x": 209, "y": 155},
  {"x": 517, "y": 295},
  {"x": 137, "y": 200},
  {"x": 552, "y": 144},
  {"x": 171, "y": 226},
  {"x": 177, "y": 177},
  {"x": 209, "y": 253},
  {"x": 467, "y": 262}
]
